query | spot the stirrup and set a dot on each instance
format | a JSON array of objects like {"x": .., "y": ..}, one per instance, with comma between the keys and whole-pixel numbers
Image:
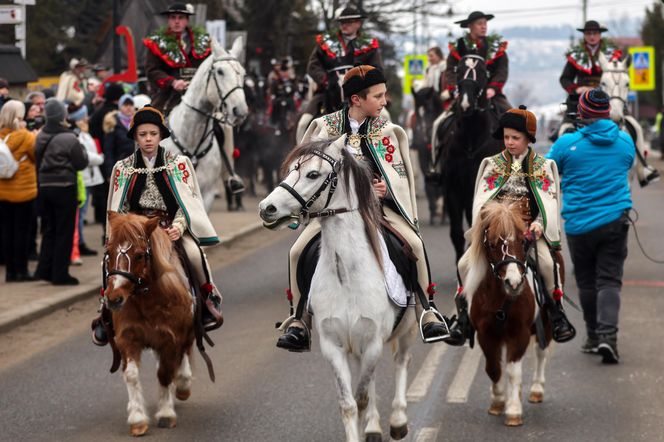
[{"x": 441, "y": 318}]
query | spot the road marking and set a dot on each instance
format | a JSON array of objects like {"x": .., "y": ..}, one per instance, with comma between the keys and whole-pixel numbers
[
  {"x": 463, "y": 379},
  {"x": 643, "y": 283},
  {"x": 422, "y": 381},
  {"x": 427, "y": 434}
]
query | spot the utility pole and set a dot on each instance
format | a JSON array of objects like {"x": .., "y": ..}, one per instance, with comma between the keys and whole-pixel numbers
[{"x": 585, "y": 11}]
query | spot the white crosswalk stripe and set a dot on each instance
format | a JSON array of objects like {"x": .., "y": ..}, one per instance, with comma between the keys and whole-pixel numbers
[
  {"x": 421, "y": 384},
  {"x": 463, "y": 379}
]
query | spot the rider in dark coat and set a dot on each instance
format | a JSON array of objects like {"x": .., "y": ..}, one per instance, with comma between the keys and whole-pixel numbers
[
  {"x": 582, "y": 71},
  {"x": 490, "y": 47},
  {"x": 347, "y": 45},
  {"x": 174, "y": 53}
]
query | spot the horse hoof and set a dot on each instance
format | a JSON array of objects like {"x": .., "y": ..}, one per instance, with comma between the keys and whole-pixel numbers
[
  {"x": 373, "y": 437},
  {"x": 182, "y": 395},
  {"x": 167, "y": 422},
  {"x": 497, "y": 408},
  {"x": 138, "y": 429},
  {"x": 535, "y": 397},
  {"x": 513, "y": 421},
  {"x": 398, "y": 433}
]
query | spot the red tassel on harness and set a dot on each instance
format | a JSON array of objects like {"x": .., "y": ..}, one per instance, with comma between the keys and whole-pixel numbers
[
  {"x": 459, "y": 290},
  {"x": 236, "y": 153},
  {"x": 207, "y": 287},
  {"x": 557, "y": 294},
  {"x": 289, "y": 295},
  {"x": 431, "y": 290},
  {"x": 101, "y": 292}
]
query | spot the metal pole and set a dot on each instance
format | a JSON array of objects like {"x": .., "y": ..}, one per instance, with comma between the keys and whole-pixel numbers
[
  {"x": 585, "y": 11},
  {"x": 116, "y": 38}
]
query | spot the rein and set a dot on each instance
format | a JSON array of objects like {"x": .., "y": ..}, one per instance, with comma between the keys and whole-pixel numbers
[{"x": 331, "y": 180}]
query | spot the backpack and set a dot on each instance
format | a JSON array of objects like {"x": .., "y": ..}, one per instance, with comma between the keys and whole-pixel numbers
[{"x": 8, "y": 165}]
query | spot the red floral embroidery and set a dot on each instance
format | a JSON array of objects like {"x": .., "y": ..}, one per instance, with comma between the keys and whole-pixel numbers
[
  {"x": 386, "y": 141},
  {"x": 388, "y": 157},
  {"x": 546, "y": 184},
  {"x": 117, "y": 172},
  {"x": 491, "y": 182},
  {"x": 390, "y": 149},
  {"x": 181, "y": 166}
]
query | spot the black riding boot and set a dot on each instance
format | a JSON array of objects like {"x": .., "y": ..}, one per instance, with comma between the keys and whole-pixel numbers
[
  {"x": 212, "y": 315},
  {"x": 461, "y": 328},
  {"x": 296, "y": 338},
  {"x": 99, "y": 327},
  {"x": 563, "y": 330}
]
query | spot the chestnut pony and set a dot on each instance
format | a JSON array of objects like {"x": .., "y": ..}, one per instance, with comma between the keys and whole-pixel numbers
[
  {"x": 148, "y": 294},
  {"x": 503, "y": 308}
]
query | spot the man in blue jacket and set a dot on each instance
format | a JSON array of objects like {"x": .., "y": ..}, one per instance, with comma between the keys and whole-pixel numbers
[{"x": 594, "y": 163}]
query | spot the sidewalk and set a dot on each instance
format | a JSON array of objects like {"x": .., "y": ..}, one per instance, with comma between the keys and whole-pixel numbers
[{"x": 23, "y": 302}]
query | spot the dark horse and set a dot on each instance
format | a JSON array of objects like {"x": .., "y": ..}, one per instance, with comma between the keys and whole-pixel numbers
[
  {"x": 428, "y": 106},
  {"x": 462, "y": 141}
]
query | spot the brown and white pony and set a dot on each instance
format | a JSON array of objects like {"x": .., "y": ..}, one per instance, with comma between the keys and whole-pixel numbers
[
  {"x": 503, "y": 308},
  {"x": 148, "y": 295}
]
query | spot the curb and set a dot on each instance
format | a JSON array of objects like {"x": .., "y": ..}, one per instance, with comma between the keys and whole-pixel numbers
[{"x": 37, "y": 309}]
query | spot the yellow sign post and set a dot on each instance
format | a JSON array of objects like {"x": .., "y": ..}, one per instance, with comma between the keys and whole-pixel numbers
[
  {"x": 642, "y": 68},
  {"x": 414, "y": 67}
]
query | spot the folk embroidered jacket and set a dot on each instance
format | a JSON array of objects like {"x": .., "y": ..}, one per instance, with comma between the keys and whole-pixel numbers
[
  {"x": 582, "y": 67},
  {"x": 387, "y": 146},
  {"x": 180, "y": 178},
  {"x": 494, "y": 51},
  {"x": 543, "y": 180}
]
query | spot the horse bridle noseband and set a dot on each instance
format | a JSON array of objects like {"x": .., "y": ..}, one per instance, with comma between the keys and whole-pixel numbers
[
  {"x": 507, "y": 258},
  {"x": 140, "y": 287},
  {"x": 331, "y": 180}
]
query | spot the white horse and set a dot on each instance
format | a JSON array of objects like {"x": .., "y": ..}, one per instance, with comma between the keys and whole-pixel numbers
[
  {"x": 615, "y": 82},
  {"x": 348, "y": 296},
  {"x": 214, "y": 94}
]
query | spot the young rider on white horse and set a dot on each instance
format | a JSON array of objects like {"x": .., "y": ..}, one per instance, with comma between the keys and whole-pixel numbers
[
  {"x": 520, "y": 176},
  {"x": 384, "y": 146},
  {"x": 155, "y": 183}
]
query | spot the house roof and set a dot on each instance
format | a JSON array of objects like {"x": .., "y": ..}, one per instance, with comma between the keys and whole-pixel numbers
[{"x": 13, "y": 66}]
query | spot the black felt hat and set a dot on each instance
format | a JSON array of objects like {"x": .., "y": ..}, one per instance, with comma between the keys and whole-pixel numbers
[
  {"x": 475, "y": 15},
  {"x": 148, "y": 114},
  {"x": 520, "y": 119},
  {"x": 368, "y": 76},
  {"x": 179, "y": 8},
  {"x": 592, "y": 25},
  {"x": 351, "y": 14}
]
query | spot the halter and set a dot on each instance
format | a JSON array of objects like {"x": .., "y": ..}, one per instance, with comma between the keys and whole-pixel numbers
[
  {"x": 331, "y": 180},
  {"x": 198, "y": 153},
  {"x": 508, "y": 258},
  {"x": 140, "y": 287}
]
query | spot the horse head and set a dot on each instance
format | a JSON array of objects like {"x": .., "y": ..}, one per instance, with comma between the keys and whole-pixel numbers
[
  {"x": 471, "y": 83},
  {"x": 498, "y": 239},
  {"x": 309, "y": 188},
  {"x": 221, "y": 82},
  {"x": 615, "y": 82},
  {"x": 129, "y": 255}
]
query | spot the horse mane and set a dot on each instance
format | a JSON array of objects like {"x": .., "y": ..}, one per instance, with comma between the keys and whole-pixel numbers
[
  {"x": 505, "y": 221},
  {"x": 166, "y": 270},
  {"x": 368, "y": 205}
]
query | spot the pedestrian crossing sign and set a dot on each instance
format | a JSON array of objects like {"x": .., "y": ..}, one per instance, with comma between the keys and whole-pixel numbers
[
  {"x": 642, "y": 68},
  {"x": 414, "y": 67}
]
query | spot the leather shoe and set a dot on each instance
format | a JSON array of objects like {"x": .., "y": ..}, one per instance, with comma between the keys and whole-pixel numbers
[
  {"x": 435, "y": 331},
  {"x": 295, "y": 339},
  {"x": 69, "y": 280},
  {"x": 99, "y": 334},
  {"x": 563, "y": 331},
  {"x": 212, "y": 316},
  {"x": 25, "y": 277}
]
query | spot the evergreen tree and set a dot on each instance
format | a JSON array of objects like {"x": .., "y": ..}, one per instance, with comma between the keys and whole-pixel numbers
[{"x": 652, "y": 35}]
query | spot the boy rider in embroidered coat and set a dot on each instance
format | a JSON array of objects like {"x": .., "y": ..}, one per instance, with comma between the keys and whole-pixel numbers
[
  {"x": 520, "y": 176},
  {"x": 345, "y": 46},
  {"x": 156, "y": 183},
  {"x": 384, "y": 146},
  {"x": 491, "y": 47},
  {"x": 171, "y": 50},
  {"x": 582, "y": 71}
]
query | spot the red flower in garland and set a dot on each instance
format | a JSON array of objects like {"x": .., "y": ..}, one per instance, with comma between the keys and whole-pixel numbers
[{"x": 388, "y": 157}]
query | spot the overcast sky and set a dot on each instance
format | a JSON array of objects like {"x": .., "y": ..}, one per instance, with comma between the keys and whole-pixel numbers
[{"x": 545, "y": 12}]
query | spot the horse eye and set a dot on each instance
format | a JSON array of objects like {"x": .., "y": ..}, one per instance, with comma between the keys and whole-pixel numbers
[
  {"x": 313, "y": 175},
  {"x": 139, "y": 256},
  {"x": 220, "y": 71}
]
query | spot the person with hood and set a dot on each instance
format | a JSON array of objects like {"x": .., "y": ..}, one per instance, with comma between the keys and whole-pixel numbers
[
  {"x": 594, "y": 163},
  {"x": 59, "y": 156},
  {"x": 117, "y": 146}
]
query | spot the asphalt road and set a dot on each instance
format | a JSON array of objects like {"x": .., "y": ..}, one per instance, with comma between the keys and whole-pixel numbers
[{"x": 64, "y": 392}]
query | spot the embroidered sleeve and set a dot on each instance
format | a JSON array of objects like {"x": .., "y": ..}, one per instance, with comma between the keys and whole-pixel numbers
[
  {"x": 492, "y": 178},
  {"x": 180, "y": 222}
]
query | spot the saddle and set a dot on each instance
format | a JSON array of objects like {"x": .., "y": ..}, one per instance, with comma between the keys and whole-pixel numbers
[{"x": 400, "y": 252}]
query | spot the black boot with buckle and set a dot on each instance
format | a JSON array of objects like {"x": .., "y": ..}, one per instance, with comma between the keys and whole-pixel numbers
[
  {"x": 562, "y": 329},
  {"x": 296, "y": 338}
]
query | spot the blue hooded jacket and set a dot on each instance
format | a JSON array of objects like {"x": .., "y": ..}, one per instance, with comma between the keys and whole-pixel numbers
[{"x": 594, "y": 164}]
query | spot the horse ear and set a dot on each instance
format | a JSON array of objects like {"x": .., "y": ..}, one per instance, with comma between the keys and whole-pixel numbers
[
  {"x": 217, "y": 49},
  {"x": 603, "y": 62},
  {"x": 150, "y": 225},
  {"x": 237, "y": 48}
]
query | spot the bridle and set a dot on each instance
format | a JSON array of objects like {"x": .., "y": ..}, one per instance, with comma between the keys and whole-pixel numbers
[
  {"x": 616, "y": 84},
  {"x": 507, "y": 258},
  {"x": 210, "y": 116},
  {"x": 471, "y": 71},
  {"x": 331, "y": 181},
  {"x": 140, "y": 285}
]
